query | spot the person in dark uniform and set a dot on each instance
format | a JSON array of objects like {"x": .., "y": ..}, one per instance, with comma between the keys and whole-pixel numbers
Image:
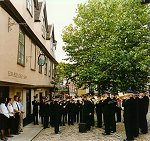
[
  {"x": 135, "y": 113},
  {"x": 35, "y": 104},
  {"x": 118, "y": 109},
  {"x": 57, "y": 116},
  {"x": 70, "y": 111},
  {"x": 41, "y": 111},
  {"x": 113, "y": 104},
  {"x": 107, "y": 114},
  {"x": 92, "y": 109},
  {"x": 128, "y": 110},
  {"x": 99, "y": 113},
  {"x": 79, "y": 108},
  {"x": 64, "y": 112},
  {"x": 87, "y": 112},
  {"x": 51, "y": 112},
  {"x": 143, "y": 110},
  {"x": 46, "y": 109}
]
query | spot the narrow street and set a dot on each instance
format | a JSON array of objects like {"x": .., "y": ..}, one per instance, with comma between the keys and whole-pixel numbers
[{"x": 71, "y": 133}]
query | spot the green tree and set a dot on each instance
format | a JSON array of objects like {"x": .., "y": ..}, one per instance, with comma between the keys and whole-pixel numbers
[{"x": 108, "y": 43}]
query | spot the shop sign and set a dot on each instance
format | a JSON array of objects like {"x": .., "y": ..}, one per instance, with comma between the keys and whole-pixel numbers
[{"x": 17, "y": 75}]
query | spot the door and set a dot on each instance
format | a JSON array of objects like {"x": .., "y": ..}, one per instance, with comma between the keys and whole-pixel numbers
[
  {"x": 29, "y": 117},
  {"x": 28, "y": 103},
  {"x": 4, "y": 91}
]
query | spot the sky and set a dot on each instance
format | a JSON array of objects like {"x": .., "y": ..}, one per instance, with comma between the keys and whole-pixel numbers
[{"x": 61, "y": 13}]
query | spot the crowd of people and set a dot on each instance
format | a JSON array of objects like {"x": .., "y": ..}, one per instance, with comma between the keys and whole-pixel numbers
[
  {"x": 108, "y": 109},
  {"x": 11, "y": 117}
]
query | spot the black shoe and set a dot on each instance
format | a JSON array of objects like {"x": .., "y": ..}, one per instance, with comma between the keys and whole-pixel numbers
[{"x": 57, "y": 132}]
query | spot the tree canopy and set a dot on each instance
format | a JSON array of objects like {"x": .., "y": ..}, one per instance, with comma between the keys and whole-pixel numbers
[{"x": 108, "y": 43}]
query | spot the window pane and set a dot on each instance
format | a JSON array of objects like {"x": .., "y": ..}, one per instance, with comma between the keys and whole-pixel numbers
[
  {"x": 21, "y": 48},
  {"x": 29, "y": 6}
]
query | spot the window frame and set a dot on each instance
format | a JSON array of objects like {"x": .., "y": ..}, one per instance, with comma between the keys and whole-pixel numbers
[
  {"x": 21, "y": 53},
  {"x": 29, "y": 6},
  {"x": 33, "y": 57}
]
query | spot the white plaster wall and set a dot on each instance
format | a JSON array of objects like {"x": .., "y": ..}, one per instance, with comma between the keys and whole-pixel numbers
[
  {"x": 20, "y": 5},
  {"x": 8, "y": 56}
]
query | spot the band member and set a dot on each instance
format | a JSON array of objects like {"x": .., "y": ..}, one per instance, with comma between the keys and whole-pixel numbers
[
  {"x": 143, "y": 110},
  {"x": 35, "y": 104},
  {"x": 57, "y": 116},
  {"x": 46, "y": 113},
  {"x": 107, "y": 114},
  {"x": 113, "y": 106},
  {"x": 118, "y": 109},
  {"x": 128, "y": 113},
  {"x": 70, "y": 111},
  {"x": 87, "y": 112},
  {"x": 99, "y": 112},
  {"x": 41, "y": 111}
]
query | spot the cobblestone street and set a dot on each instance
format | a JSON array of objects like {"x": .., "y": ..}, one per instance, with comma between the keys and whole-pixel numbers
[{"x": 71, "y": 133}]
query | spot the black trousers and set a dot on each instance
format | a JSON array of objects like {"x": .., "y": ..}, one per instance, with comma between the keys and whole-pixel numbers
[
  {"x": 46, "y": 121},
  {"x": 70, "y": 118},
  {"x": 99, "y": 119},
  {"x": 107, "y": 123},
  {"x": 143, "y": 124},
  {"x": 56, "y": 128},
  {"x": 16, "y": 123},
  {"x": 113, "y": 122},
  {"x": 118, "y": 113},
  {"x": 128, "y": 129},
  {"x": 35, "y": 118}
]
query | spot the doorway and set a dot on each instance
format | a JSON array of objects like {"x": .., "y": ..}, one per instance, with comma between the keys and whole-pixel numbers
[{"x": 4, "y": 91}]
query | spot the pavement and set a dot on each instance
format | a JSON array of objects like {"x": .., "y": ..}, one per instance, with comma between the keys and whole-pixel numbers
[{"x": 30, "y": 131}]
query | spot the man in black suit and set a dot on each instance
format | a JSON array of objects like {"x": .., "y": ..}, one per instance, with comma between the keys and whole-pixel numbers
[
  {"x": 87, "y": 112},
  {"x": 143, "y": 110},
  {"x": 57, "y": 116},
  {"x": 107, "y": 114},
  {"x": 113, "y": 104},
  {"x": 35, "y": 104},
  {"x": 128, "y": 116},
  {"x": 70, "y": 110},
  {"x": 99, "y": 113}
]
